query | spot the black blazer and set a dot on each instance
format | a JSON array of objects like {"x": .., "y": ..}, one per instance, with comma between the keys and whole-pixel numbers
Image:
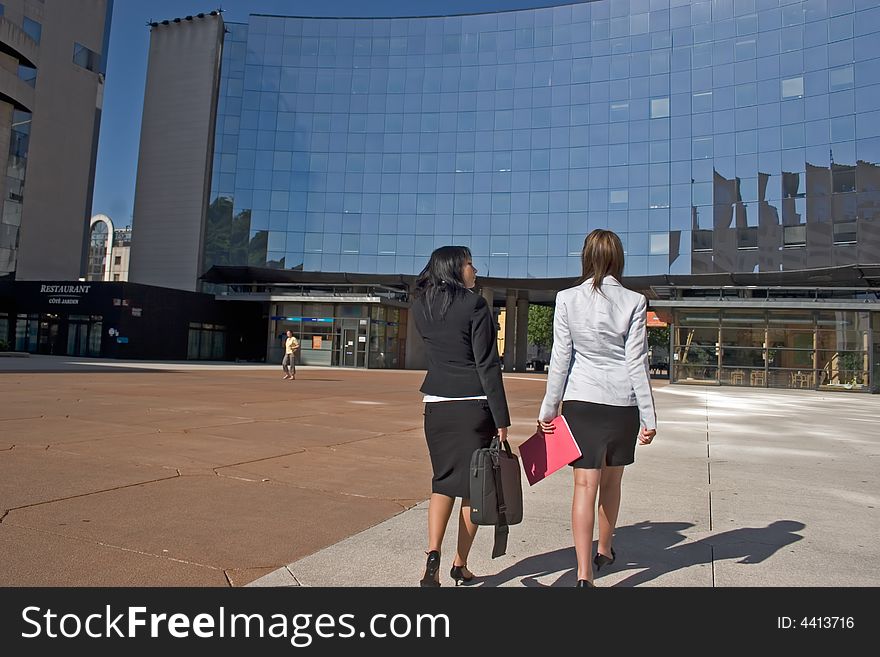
[{"x": 462, "y": 353}]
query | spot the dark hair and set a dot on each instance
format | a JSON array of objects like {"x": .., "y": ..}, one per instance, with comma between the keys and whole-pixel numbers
[
  {"x": 602, "y": 256},
  {"x": 441, "y": 278}
]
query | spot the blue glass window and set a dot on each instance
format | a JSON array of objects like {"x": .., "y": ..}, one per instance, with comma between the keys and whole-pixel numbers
[{"x": 32, "y": 28}]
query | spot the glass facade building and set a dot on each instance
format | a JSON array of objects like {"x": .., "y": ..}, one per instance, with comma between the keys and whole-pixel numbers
[
  {"x": 734, "y": 145},
  {"x": 715, "y": 136}
]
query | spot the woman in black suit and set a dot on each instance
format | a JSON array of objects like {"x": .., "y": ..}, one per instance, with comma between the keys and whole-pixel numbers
[{"x": 465, "y": 405}]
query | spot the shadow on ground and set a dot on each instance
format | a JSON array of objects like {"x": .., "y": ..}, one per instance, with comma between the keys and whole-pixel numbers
[{"x": 654, "y": 549}]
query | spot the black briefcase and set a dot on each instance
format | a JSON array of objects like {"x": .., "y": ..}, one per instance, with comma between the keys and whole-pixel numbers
[{"x": 496, "y": 491}]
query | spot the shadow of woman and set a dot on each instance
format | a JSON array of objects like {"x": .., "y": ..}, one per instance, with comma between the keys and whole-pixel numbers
[
  {"x": 561, "y": 563},
  {"x": 528, "y": 570},
  {"x": 653, "y": 549},
  {"x": 751, "y": 545}
]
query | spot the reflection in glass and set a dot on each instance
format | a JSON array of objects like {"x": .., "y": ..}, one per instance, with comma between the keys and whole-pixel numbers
[
  {"x": 793, "y": 87},
  {"x": 493, "y": 126},
  {"x": 98, "y": 243}
]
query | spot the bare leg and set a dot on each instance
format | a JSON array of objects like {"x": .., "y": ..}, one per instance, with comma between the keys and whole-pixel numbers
[
  {"x": 466, "y": 533},
  {"x": 586, "y": 484},
  {"x": 609, "y": 506},
  {"x": 439, "y": 510}
]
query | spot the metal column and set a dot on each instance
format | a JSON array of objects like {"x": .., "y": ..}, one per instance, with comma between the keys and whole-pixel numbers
[
  {"x": 510, "y": 332},
  {"x": 522, "y": 332}
]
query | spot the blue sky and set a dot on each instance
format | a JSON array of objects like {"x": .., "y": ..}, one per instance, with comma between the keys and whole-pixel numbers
[{"x": 127, "y": 69}]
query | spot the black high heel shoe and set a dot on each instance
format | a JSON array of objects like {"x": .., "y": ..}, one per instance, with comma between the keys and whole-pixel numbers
[
  {"x": 584, "y": 584},
  {"x": 457, "y": 573},
  {"x": 601, "y": 560},
  {"x": 432, "y": 570}
]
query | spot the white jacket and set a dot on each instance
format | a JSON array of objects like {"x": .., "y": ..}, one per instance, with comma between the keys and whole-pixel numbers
[{"x": 600, "y": 350}]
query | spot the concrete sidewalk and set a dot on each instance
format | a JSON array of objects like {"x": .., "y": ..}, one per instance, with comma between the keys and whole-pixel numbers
[
  {"x": 741, "y": 488},
  {"x": 174, "y": 474}
]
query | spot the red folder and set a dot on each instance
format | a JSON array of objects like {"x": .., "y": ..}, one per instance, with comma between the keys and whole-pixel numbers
[{"x": 544, "y": 453}]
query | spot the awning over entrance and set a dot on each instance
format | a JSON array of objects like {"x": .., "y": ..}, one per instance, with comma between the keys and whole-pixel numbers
[{"x": 654, "y": 321}]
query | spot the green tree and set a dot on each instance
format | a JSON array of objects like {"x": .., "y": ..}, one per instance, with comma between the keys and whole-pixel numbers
[
  {"x": 239, "y": 241},
  {"x": 850, "y": 367},
  {"x": 227, "y": 236},
  {"x": 541, "y": 326},
  {"x": 218, "y": 229},
  {"x": 658, "y": 336},
  {"x": 257, "y": 248}
]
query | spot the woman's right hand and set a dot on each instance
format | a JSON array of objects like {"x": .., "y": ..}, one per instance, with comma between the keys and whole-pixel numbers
[
  {"x": 646, "y": 436},
  {"x": 502, "y": 434}
]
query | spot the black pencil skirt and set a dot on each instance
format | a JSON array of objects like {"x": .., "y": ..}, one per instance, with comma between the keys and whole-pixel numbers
[
  {"x": 454, "y": 430},
  {"x": 606, "y": 434}
]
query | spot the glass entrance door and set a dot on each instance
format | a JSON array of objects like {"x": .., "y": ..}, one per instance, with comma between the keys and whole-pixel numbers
[
  {"x": 77, "y": 338},
  {"x": 349, "y": 347},
  {"x": 48, "y": 335}
]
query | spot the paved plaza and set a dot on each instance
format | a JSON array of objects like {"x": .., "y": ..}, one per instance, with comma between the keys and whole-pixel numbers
[{"x": 120, "y": 473}]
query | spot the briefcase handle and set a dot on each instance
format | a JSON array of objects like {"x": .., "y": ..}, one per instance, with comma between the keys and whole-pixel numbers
[{"x": 496, "y": 444}]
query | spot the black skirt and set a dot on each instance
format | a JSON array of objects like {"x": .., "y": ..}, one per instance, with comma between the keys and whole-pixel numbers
[
  {"x": 454, "y": 430},
  {"x": 606, "y": 434}
]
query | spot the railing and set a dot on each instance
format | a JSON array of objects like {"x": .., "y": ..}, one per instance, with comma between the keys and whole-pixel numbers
[
  {"x": 768, "y": 293},
  {"x": 323, "y": 290}
]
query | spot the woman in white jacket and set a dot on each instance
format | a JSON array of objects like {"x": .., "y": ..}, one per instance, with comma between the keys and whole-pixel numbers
[{"x": 599, "y": 370}]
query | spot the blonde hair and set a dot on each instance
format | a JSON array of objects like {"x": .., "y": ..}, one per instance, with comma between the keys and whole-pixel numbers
[{"x": 602, "y": 256}]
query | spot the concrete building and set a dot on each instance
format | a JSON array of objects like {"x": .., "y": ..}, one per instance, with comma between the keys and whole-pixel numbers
[
  {"x": 176, "y": 147},
  {"x": 121, "y": 254},
  {"x": 733, "y": 146},
  {"x": 51, "y": 80},
  {"x": 52, "y": 64}
]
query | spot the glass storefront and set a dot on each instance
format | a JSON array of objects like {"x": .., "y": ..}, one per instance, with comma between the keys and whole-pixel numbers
[
  {"x": 206, "y": 341},
  {"x": 875, "y": 358},
  {"x": 388, "y": 337},
  {"x": 809, "y": 349},
  {"x": 4, "y": 332},
  {"x": 55, "y": 335},
  {"x": 340, "y": 335}
]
